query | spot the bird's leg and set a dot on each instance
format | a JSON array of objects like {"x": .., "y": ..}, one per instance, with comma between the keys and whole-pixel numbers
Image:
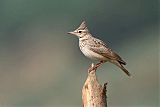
[{"x": 97, "y": 65}]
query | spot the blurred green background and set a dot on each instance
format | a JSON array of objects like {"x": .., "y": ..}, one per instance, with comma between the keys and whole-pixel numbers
[{"x": 42, "y": 66}]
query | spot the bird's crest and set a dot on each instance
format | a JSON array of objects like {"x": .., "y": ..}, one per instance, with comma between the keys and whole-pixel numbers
[{"x": 83, "y": 26}]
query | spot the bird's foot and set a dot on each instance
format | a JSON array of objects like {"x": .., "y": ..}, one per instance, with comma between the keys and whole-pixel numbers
[
  {"x": 91, "y": 68},
  {"x": 94, "y": 67}
]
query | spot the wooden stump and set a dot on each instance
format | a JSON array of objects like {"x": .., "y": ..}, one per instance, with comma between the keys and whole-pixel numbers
[{"x": 93, "y": 93}]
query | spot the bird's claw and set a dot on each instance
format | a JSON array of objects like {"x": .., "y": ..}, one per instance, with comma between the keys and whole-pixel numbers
[{"x": 94, "y": 67}]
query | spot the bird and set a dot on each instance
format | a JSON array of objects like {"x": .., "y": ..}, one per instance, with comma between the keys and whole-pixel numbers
[{"x": 96, "y": 49}]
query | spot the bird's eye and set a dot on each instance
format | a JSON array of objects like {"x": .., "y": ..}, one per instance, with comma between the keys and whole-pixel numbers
[{"x": 79, "y": 31}]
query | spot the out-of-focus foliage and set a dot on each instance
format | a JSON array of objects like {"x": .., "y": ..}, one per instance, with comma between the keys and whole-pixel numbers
[{"x": 41, "y": 66}]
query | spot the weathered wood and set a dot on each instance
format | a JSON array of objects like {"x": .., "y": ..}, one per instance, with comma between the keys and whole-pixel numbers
[{"x": 93, "y": 94}]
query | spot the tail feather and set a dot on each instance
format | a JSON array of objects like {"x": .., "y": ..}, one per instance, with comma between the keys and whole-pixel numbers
[
  {"x": 122, "y": 62},
  {"x": 121, "y": 67},
  {"x": 125, "y": 70}
]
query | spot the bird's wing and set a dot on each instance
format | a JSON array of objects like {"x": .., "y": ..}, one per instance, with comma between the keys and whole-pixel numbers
[{"x": 101, "y": 48}]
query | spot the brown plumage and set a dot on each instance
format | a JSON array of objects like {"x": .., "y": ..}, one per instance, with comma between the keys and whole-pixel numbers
[{"x": 96, "y": 49}]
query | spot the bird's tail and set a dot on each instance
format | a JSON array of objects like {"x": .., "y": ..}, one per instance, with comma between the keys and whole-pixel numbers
[
  {"x": 125, "y": 70},
  {"x": 122, "y": 67}
]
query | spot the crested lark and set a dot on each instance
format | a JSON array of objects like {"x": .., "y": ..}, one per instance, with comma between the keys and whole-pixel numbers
[{"x": 96, "y": 49}]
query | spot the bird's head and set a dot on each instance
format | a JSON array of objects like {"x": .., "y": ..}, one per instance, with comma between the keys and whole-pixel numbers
[{"x": 81, "y": 31}]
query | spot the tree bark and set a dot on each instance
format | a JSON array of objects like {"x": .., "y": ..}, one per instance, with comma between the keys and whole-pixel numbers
[{"x": 93, "y": 93}]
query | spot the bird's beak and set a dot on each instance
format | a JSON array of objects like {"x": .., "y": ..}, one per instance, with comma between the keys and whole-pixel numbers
[{"x": 73, "y": 33}]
